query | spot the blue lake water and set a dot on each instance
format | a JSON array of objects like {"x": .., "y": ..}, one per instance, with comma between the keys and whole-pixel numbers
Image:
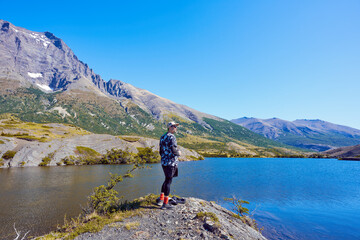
[{"x": 289, "y": 198}]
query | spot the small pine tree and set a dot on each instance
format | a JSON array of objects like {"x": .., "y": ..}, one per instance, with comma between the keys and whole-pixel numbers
[{"x": 238, "y": 206}]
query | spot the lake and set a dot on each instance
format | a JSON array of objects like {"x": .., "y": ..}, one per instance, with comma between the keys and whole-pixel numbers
[{"x": 290, "y": 198}]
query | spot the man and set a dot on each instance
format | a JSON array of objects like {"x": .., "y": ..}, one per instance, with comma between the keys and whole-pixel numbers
[{"x": 169, "y": 160}]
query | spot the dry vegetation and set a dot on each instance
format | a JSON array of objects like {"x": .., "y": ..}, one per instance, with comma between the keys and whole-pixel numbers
[{"x": 11, "y": 126}]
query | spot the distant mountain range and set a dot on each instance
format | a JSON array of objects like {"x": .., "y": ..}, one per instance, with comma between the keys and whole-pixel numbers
[
  {"x": 42, "y": 80},
  {"x": 315, "y": 135}
]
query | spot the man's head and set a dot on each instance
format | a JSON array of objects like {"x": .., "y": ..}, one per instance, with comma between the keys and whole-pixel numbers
[{"x": 172, "y": 127}]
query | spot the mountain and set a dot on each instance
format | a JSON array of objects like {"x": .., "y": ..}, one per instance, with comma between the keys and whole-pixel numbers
[
  {"x": 311, "y": 134},
  {"x": 48, "y": 63},
  {"x": 42, "y": 80},
  {"x": 344, "y": 152}
]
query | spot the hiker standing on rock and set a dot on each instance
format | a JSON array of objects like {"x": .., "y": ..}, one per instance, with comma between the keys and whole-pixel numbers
[{"x": 169, "y": 160}]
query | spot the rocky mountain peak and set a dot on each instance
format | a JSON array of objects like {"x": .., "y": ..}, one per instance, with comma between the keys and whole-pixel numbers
[
  {"x": 42, "y": 59},
  {"x": 46, "y": 62},
  {"x": 5, "y": 26},
  {"x": 118, "y": 89},
  {"x": 56, "y": 41}
]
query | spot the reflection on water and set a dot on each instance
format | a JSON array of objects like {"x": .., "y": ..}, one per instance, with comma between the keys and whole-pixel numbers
[
  {"x": 294, "y": 198},
  {"x": 37, "y": 198}
]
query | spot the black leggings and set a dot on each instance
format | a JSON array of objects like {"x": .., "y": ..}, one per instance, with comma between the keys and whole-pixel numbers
[
  {"x": 166, "y": 186},
  {"x": 169, "y": 172}
]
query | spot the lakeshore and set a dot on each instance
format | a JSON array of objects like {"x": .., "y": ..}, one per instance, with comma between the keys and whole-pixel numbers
[
  {"x": 290, "y": 198},
  {"x": 142, "y": 219}
]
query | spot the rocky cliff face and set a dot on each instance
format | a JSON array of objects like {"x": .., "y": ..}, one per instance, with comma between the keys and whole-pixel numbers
[
  {"x": 153, "y": 104},
  {"x": 46, "y": 62},
  {"x": 41, "y": 59}
]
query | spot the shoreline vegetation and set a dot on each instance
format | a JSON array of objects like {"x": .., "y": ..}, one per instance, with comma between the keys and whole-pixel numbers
[
  {"x": 105, "y": 207},
  {"x": 105, "y": 211},
  {"x": 88, "y": 156},
  {"x": 15, "y": 134},
  {"x": 239, "y": 155}
]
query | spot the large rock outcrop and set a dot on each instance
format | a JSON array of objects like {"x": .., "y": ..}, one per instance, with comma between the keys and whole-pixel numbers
[
  {"x": 197, "y": 219},
  {"x": 31, "y": 153}
]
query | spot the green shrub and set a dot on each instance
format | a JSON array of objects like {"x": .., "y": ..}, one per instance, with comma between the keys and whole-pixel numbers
[
  {"x": 118, "y": 156},
  {"x": 69, "y": 160},
  {"x": 148, "y": 155},
  {"x": 22, "y": 163},
  {"x": 2, "y": 142},
  {"x": 211, "y": 215},
  {"x": 9, "y": 155},
  {"x": 1, "y": 162},
  {"x": 88, "y": 156},
  {"x": 104, "y": 199},
  {"x": 45, "y": 161},
  {"x": 240, "y": 212},
  {"x": 238, "y": 206}
]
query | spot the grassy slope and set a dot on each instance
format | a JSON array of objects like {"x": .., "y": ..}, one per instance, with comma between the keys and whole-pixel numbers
[
  {"x": 13, "y": 127},
  {"x": 93, "y": 113},
  {"x": 100, "y": 114}
]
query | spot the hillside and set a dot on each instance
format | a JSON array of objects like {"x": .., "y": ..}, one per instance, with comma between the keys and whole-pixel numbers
[
  {"x": 42, "y": 80},
  {"x": 24, "y": 144},
  {"x": 344, "y": 152},
  {"x": 315, "y": 135}
]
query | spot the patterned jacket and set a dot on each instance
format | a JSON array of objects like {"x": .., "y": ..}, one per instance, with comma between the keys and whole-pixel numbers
[{"x": 169, "y": 150}]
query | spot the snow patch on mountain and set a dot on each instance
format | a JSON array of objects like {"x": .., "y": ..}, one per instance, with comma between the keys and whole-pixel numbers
[
  {"x": 39, "y": 38},
  {"x": 35, "y": 75},
  {"x": 44, "y": 87}
]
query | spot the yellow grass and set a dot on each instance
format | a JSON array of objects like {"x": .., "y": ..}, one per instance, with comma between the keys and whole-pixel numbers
[
  {"x": 195, "y": 139},
  {"x": 39, "y": 131}
]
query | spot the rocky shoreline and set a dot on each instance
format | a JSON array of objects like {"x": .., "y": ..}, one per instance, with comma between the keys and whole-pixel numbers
[
  {"x": 31, "y": 153},
  {"x": 196, "y": 219}
]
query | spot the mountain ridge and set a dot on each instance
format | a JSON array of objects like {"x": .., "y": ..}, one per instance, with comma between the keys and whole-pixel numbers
[
  {"x": 42, "y": 80},
  {"x": 314, "y": 134},
  {"x": 69, "y": 72}
]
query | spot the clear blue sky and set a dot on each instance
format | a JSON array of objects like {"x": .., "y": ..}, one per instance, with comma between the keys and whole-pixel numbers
[{"x": 285, "y": 59}]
